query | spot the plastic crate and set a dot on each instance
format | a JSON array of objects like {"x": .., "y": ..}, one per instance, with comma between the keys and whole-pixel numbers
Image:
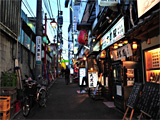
[
  {"x": 5, "y": 103},
  {"x": 9, "y": 80},
  {"x": 5, "y": 115},
  {"x": 9, "y": 91}
]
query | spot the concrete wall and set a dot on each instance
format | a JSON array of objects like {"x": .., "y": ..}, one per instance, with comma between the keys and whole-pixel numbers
[
  {"x": 8, "y": 53},
  {"x": 6, "y": 56}
]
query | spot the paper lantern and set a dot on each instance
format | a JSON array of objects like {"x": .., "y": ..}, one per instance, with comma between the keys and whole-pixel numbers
[{"x": 83, "y": 37}]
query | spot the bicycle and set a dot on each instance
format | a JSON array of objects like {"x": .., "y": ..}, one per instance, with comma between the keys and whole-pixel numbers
[{"x": 33, "y": 93}]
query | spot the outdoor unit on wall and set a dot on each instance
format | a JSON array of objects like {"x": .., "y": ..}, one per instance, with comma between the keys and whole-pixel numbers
[{"x": 108, "y": 2}]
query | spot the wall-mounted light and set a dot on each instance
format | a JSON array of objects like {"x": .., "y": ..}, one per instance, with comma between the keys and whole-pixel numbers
[
  {"x": 134, "y": 45},
  {"x": 91, "y": 68},
  {"x": 59, "y": 44},
  {"x": 126, "y": 41},
  {"x": 94, "y": 40},
  {"x": 109, "y": 21},
  {"x": 84, "y": 58},
  {"x": 115, "y": 46},
  {"x": 111, "y": 56},
  {"x": 120, "y": 44}
]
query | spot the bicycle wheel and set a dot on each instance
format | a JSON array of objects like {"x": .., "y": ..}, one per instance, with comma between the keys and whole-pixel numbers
[
  {"x": 26, "y": 107},
  {"x": 42, "y": 98}
]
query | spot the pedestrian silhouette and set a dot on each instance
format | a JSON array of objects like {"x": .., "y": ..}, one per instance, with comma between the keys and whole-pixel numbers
[{"x": 67, "y": 74}]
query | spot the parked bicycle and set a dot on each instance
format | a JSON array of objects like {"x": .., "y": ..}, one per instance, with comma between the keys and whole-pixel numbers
[{"x": 33, "y": 93}]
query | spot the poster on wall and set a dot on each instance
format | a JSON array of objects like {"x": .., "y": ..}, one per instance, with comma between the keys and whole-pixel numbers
[
  {"x": 145, "y": 5},
  {"x": 92, "y": 78},
  {"x": 106, "y": 82},
  {"x": 119, "y": 90},
  {"x": 82, "y": 73}
]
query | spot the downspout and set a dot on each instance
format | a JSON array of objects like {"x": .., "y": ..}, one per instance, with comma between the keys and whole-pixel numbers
[{"x": 131, "y": 17}]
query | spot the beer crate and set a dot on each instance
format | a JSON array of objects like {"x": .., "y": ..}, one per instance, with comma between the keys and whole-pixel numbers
[
  {"x": 5, "y": 115},
  {"x": 9, "y": 91},
  {"x": 5, "y": 103}
]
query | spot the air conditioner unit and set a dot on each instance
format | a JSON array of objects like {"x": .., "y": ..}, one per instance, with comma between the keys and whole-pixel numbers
[{"x": 108, "y": 2}]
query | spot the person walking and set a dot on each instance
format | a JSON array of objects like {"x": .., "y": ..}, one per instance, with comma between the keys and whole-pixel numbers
[{"x": 67, "y": 74}]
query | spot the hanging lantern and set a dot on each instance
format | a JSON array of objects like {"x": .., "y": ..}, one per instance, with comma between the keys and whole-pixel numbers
[
  {"x": 126, "y": 41},
  {"x": 115, "y": 46},
  {"x": 91, "y": 69},
  {"x": 120, "y": 44},
  {"x": 84, "y": 58},
  {"x": 83, "y": 37},
  {"x": 134, "y": 45}
]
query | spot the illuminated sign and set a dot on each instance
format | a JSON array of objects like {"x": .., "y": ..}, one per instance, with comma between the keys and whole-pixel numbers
[
  {"x": 114, "y": 34},
  {"x": 82, "y": 73},
  {"x": 119, "y": 90},
  {"x": 38, "y": 49},
  {"x": 92, "y": 78},
  {"x": 145, "y": 5}
]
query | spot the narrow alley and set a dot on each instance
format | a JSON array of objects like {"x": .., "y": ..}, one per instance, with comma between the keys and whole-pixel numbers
[{"x": 65, "y": 103}]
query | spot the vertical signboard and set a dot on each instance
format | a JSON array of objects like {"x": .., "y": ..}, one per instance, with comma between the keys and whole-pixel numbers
[
  {"x": 92, "y": 78},
  {"x": 38, "y": 49},
  {"x": 82, "y": 73}
]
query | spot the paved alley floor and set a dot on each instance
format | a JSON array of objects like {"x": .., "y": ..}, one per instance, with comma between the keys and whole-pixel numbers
[{"x": 65, "y": 103}]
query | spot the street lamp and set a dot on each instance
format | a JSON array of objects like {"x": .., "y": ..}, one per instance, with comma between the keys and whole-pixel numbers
[{"x": 53, "y": 23}]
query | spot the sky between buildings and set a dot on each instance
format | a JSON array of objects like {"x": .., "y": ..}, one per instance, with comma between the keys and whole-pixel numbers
[{"x": 50, "y": 32}]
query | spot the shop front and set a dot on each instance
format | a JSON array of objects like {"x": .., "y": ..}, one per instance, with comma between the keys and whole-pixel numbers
[
  {"x": 147, "y": 32},
  {"x": 121, "y": 64},
  {"x": 152, "y": 64}
]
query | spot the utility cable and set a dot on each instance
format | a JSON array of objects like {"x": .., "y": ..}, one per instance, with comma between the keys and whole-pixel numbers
[
  {"x": 45, "y": 4},
  {"x": 50, "y": 8},
  {"x": 30, "y": 8},
  {"x": 27, "y": 8}
]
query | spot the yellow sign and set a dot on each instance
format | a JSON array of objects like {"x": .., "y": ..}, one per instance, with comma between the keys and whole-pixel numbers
[{"x": 63, "y": 65}]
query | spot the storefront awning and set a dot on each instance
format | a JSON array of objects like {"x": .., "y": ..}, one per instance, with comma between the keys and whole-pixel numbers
[
  {"x": 94, "y": 53},
  {"x": 84, "y": 26},
  {"x": 146, "y": 28}
]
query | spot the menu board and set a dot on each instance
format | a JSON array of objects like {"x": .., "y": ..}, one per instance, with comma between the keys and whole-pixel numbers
[
  {"x": 133, "y": 98},
  {"x": 149, "y": 100}
]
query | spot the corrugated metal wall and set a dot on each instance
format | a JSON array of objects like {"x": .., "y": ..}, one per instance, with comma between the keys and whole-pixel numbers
[{"x": 10, "y": 14}]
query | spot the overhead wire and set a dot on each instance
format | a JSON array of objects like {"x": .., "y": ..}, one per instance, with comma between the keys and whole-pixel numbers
[
  {"x": 46, "y": 6},
  {"x": 27, "y": 8},
  {"x": 30, "y": 8},
  {"x": 50, "y": 8}
]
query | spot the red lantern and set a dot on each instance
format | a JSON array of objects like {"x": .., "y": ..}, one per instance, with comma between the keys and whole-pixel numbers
[{"x": 83, "y": 37}]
